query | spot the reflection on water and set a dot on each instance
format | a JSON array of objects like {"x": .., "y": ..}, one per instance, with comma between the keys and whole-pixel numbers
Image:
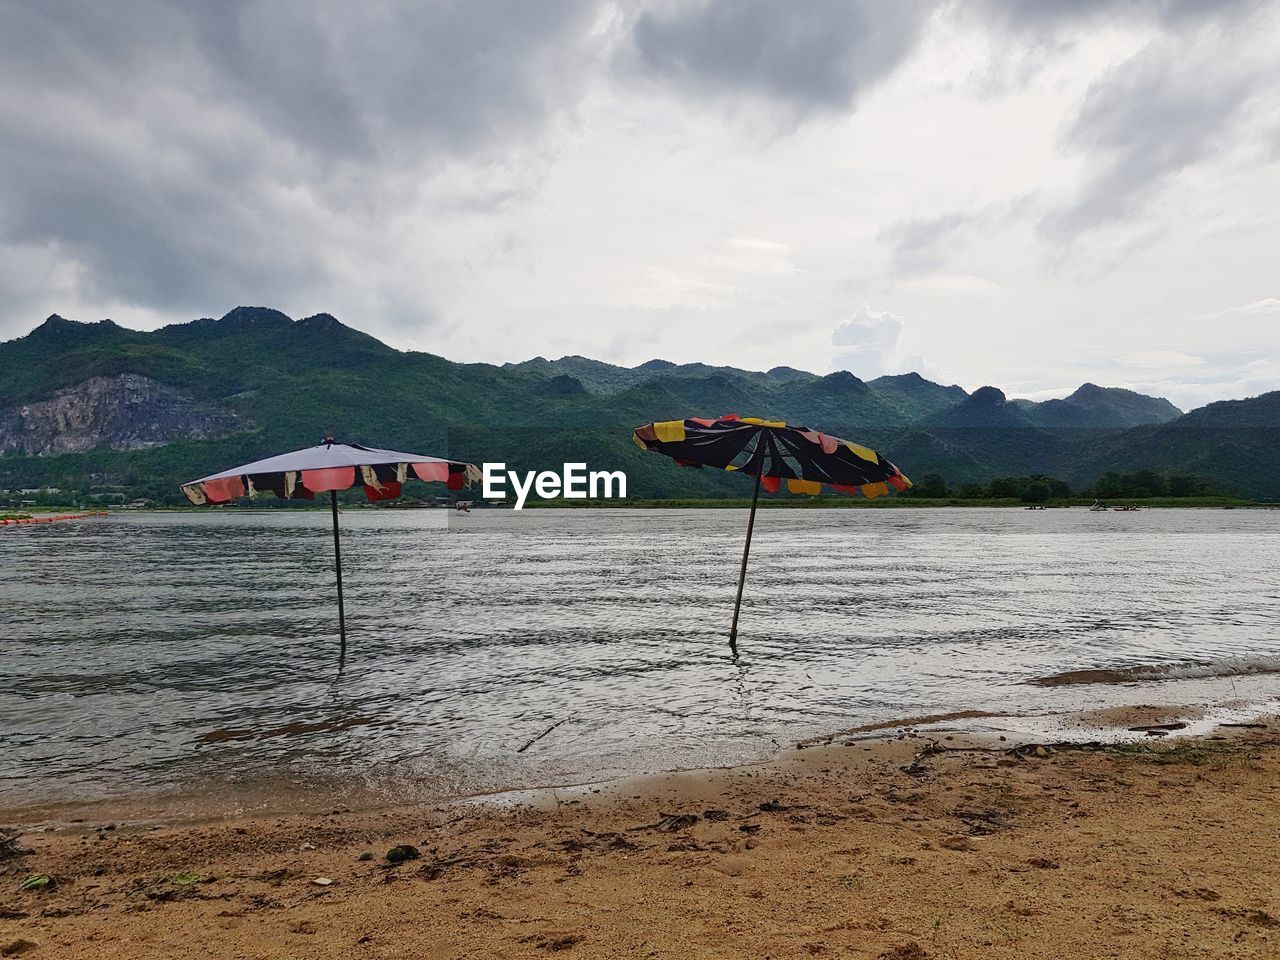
[{"x": 147, "y": 652}]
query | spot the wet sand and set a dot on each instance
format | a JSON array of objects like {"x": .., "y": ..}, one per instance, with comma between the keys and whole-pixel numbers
[{"x": 909, "y": 846}]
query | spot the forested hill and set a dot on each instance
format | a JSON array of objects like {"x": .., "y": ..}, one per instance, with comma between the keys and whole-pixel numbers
[{"x": 95, "y": 405}]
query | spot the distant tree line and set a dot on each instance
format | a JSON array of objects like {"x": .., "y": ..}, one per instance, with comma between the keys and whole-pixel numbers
[
  {"x": 1039, "y": 488},
  {"x": 1148, "y": 483}
]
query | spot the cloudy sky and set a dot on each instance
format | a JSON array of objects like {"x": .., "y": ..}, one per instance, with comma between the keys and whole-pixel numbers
[{"x": 1029, "y": 193}]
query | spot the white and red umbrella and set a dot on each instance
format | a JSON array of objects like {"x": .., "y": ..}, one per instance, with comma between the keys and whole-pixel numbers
[{"x": 328, "y": 468}]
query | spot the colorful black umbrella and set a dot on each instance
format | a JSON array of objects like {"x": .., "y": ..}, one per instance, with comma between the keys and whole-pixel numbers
[
  {"x": 328, "y": 468},
  {"x": 772, "y": 452}
]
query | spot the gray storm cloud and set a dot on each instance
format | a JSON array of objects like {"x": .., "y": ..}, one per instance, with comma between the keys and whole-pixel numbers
[
  {"x": 187, "y": 156},
  {"x": 820, "y": 55},
  {"x": 1167, "y": 108}
]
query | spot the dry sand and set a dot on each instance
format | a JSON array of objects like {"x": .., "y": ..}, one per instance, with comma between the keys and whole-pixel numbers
[{"x": 1164, "y": 849}]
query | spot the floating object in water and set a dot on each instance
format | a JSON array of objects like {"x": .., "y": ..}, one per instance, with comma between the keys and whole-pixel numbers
[{"x": 16, "y": 521}]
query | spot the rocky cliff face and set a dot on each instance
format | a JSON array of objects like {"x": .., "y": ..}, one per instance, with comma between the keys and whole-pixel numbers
[{"x": 123, "y": 412}]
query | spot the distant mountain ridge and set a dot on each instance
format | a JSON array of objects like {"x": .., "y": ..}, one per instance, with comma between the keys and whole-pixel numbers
[
  {"x": 913, "y": 396},
  {"x": 80, "y": 401},
  {"x": 1092, "y": 405}
]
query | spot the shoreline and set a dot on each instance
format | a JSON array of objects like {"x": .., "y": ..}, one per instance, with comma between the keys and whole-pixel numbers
[
  {"x": 718, "y": 503},
  {"x": 911, "y": 843},
  {"x": 1176, "y": 699}
]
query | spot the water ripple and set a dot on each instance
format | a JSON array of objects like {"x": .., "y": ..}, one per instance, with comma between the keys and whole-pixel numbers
[{"x": 151, "y": 651}]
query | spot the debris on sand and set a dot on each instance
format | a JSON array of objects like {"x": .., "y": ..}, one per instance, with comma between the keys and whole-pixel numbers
[
  {"x": 9, "y": 846},
  {"x": 908, "y": 951},
  {"x": 1259, "y": 918},
  {"x": 670, "y": 823},
  {"x": 554, "y": 942},
  {"x": 402, "y": 852}
]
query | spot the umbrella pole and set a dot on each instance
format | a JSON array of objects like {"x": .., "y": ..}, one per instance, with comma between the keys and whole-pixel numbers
[
  {"x": 742, "y": 576},
  {"x": 337, "y": 563}
]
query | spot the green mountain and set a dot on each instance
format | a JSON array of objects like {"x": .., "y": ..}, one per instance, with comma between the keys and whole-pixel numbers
[
  {"x": 1235, "y": 441},
  {"x": 95, "y": 405},
  {"x": 986, "y": 429},
  {"x": 1108, "y": 407},
  {"x": 915, "y": 397}
]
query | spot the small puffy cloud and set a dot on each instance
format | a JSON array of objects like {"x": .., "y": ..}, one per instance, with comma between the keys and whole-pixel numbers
[{"x": 870, "y": 345}]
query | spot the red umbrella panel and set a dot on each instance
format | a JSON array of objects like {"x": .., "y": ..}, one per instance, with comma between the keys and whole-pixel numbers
[{"x": 774, "y": 453}]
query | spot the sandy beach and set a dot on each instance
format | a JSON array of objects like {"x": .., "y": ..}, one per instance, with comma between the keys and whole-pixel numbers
[{"x": 913, "y": 844}]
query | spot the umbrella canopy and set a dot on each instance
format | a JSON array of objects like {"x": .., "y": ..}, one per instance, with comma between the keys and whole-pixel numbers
[
  {"x": 329, "y": 466},
  {"x": 772, "y": 452}
]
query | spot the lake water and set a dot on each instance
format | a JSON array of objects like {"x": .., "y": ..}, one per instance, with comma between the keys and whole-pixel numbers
[{"x": 153, "y": 654}]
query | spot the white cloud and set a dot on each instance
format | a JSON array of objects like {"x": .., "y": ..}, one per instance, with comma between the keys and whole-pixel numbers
[
  {"x": 871, "y": 344},
  {"x": 953, "y": 284},
  {"x": 664, "y": 289},
  {"x": 1162, "y": 359},
  {"x": 756, "y": 256},
  {"x": 1268, "y": 307}
]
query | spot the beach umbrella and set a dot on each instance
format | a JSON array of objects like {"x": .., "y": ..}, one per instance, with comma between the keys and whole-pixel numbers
[
  {"x": 327, "y": 468},
  {"x": 774, "y": 453}
]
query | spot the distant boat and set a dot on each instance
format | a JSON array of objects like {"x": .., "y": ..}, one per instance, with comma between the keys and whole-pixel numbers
[
  {"x": 1098, "y": 507},
  {"x": 1128, "y": 509}
]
